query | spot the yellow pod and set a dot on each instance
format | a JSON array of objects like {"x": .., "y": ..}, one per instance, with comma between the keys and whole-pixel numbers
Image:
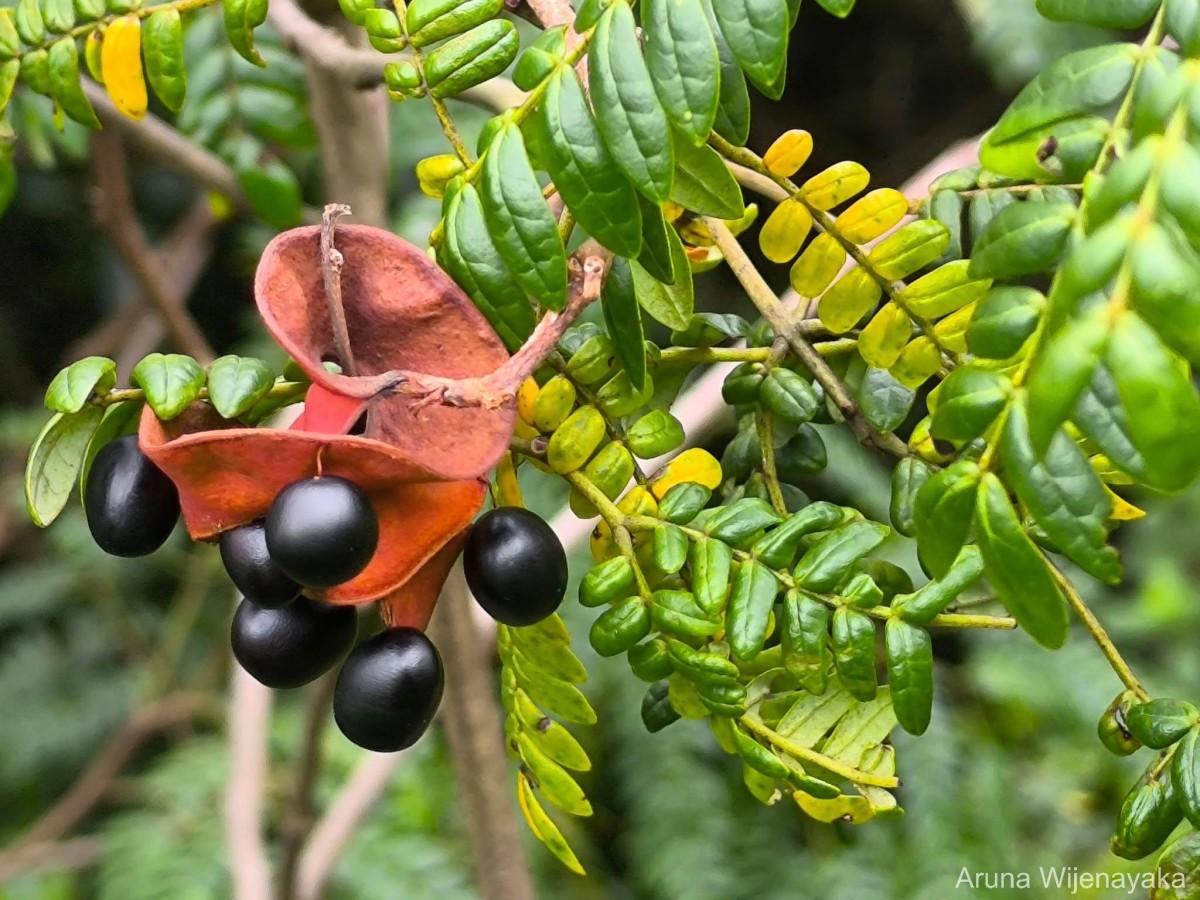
[
  {"x": 526, "y": 395},
  {"x": 784, "y": 231},
  {"x": 574, "y": 442},
  {"x": 918, "y": 362},
  {"x": 885, "y": 336},
  {"x": 554, "y": 403},
  {"x": 818, "y": 265},
  {"x": 695, "y": 466},
  {"x": 121, "y": 66},
  {"x": 790, "y": 151},
  {"x": 852, "y": 297},
  {"x": 870, "y": 216},
  {"x": 835, "y": 185}
]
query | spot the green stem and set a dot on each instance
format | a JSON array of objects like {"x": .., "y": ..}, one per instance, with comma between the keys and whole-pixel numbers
[
  {"x": 764, "y": 423},
  {"x": 858, "y": 776},
  {"x": 126, "y": 395}
]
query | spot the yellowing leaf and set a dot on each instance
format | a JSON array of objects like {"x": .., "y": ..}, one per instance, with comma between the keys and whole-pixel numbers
[
  {"x": 543, "y": 826},
  {"x": 918, "y": 362},
  {"x": 817, "y": 266},
  {"x": 944, "y": 290},
  {"x": 694, "y": 465},
  {"x": 845, "y": 304},
  {"x": 790, "y": 151},
  {"x": 1122, "y": 509},
  {"x": 835, "y": 185},
  {"x": 855, "y": 810},
  {"x": 951, "y": 332},
  {"x": 915, "y": 245},
  {"x": 885, "y": 336},
  {"x": 870, "y": 216},
  {"x": 508, "y": 487},
  {"x": 784, "y": 231},
  {"x": 121, "y": 65},
  {"x": 526, "y": 395}
]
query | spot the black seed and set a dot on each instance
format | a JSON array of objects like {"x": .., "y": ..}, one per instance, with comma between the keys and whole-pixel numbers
[
  {"x": 244, "y": 553},
  {"x": 516, "y": 566},
  {"x": 131, "y": 506},
  {"x": 322, "y": 531},
  {"x": 289, "y": 647}
]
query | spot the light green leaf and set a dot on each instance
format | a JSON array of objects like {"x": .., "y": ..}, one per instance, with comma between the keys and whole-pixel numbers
[
  {"x": 55, "y": 460},
  {"x": 704, "y": 185},
  {"x": 79, "y": 382},
  {"x": 171, "y": 382},
  {"x": 236, "y": 383}
]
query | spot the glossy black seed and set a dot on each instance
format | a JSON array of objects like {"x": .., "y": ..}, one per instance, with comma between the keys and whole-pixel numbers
[
  {"x": 322, "y": 531},
  {"x": 516, "y": 566},
  {"x": 250, "y": 568},
  {"x": 388, "y": 690},
  {"x": 289, "y": 647},
  {"x": 131, "y": 506}
]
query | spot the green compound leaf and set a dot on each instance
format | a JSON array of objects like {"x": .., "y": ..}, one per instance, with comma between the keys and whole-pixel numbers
[
  {"x": 523, "y": 228},
  {"x": 75, "y": 385},
  {"x": 171, "y": 382},
  {"x": 236, "y": 383},
  {"x": 681, "y": 54},
  {"x": 630, "y": 118},
  {"x": 55, "y": 460},
  {"x": 1017, "y": 570}
]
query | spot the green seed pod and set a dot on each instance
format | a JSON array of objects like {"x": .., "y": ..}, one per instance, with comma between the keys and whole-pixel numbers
[
  {"x": 651, "y": 661},
  {"x": 594, "y": 361},
  {"x": 802, "y": 456},
  {"x": 742, "y": 385},
  {"x": 1113, "y": 729},
  {"x": 606, "y": 582},
  {"x": 620, "y": 627},
  {"x": 576, "y": 440},
  {"x": 910, "y": 674},
  {"x": 683, "y": 502},
  {"x": 804, "y": 636},
  {"x": 480, "y": 55},
  {"x": 1147, "y": 818},
  {"x": 655, "y": 433},
  {"x": 657, "y": 711},
  {"x": 854, "y": 652},
  {"x": 553, "y": 404},
  {"x": 788, "y": 396}
]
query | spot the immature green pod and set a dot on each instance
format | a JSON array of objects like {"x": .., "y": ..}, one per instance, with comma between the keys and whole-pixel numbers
[
  {"x": 657, "y": 711},
  {"x": 606, "y": 582},
  {"x": 711, "y": 561},
  {"x": 910, "y": 674},
  {"x": 553, "y": 404},
  {"x": 595, "y": 360},
  {"x": 651, "y": 661},
  {"x": 670, "y": 547},
  {"x": 777, "y": 548},
  {"x": 576, "y": 440},
  {"x": 701, "y": 666},
  {"x": 921, "y": 606},
  {"x": 609, "y": 470},
  {"x": 683, "y": 502},
  {"x": 472, "y": 58},
  {"x": 854, "y": 652},
  {"x": 1113, "y": 728},
  {"x": 620, "y": 627},
  {"x": 1147, "y": 818},
  {"x": 788, "y": 396},
  {"x": 741, "y": 386},
  {"x": 655, "y": 433},
  {"x": 676, "y": 612},
  {"x": 430, "y": 21},
  {"x": 1160, "y": 723},
  {"x": 805, "y": 640}
]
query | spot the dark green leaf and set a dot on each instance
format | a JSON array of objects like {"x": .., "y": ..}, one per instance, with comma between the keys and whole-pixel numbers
[
  {"x": 733, "y": 109},
  {"x": 1004, "y": 320},
  {"x": 884, "y": 400},
  {"x": 968, "y": 402},
  {"x": 910, "y": 674},
  {"x": 908, "y": 478},
  {"x": 1160, "y": 723},
  {"x": 830, "y": 559},
  {"x": 236, "y": 383},
  {"x": 670, "y": 304},
  {"x": 704, "y": 184},
  {"x": 170, "y": 381},
  {"x": 1023, "y": 239},
  {"x": 942, "y": 516},
  {"x": 757, "y": 33},
  {"x": 623, "y": 317},
  {"x": 1119, "y": 14},
  {"x": 750, "y": 602},
  {"x": 681, "y": 54}
]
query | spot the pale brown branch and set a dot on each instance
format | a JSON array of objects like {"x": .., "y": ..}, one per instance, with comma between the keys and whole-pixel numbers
[
  {"x": 97, "y": 779},
  {"x": 249, "y": 719},
  {"x": 115, "y": 213},
  {"x": 331, "y": 268}
]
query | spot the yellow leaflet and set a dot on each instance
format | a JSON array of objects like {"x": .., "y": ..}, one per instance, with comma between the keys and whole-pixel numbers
[
  {"x": 844, "y": 305},
  {"x": 870, "y": 216},
  {"x": 915, "y": 245},
  {"x": 919, "y": 362},
  {"x": 790, "y": 151},
  {"x": 508, "y": 486},
  {"x": 694, "y": 465},
  {"x": 543, "y": 826},
  {"x": 121, "y": 65},
  {"x": 1122, "y": 509},
  {"x": 944, "y": 290},
  {"x": 784, "y": 231},
  {"x": 1104, "y": 467},
  {"x": 884, "y": 337},
  {"x": 921, "y": 443},
  {"x": 601, "y": 542},
  {"x": 435, "y": 172},
  {"x": 525, "y": 396},
  {"x": 817, "y": 265},
  {"x": 835, "y": 185},
  {"x": 951, "y": 332},
  {"x": 854, "y": 810},
  {"x": 91, "y": 56},
  {"x": 638, "y": 502}
]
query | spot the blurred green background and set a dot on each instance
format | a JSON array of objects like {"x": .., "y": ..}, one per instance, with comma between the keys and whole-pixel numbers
[{"x": 1010, "y": 776}]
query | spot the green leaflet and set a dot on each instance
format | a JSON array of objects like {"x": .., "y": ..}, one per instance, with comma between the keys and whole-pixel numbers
[
  {"x": 273, "y": 192},
  {"x": 1185, "y": 772},
  {"x": 670, "y": 548},
  {"x": 1099, "y": 415},
  {"x": 59, "y": 15},
  {"x": 550, "y": 737},
  {"x": 741, "y": 520},
  {"x": 600, "y": 197},
  {"x": 237, "y": 383},
  {"x": 777, "y": 548},
  {"x": 829, "y": 560},
  {"x": 658, "y": 254},
  {"x": 558, "y": 697},
  {"x": 650, "y": 661},
  {"x": 1023, "y": 239},
  {"x": 619, "y": 627},
  {"x": 750, "y": 602},
  {"x": 1061, "y": 372},
  {"x": 471, "y": 58},
  {"x": 942, "y": 515},
  {"x": 1159, "y": 401},
  {"x": 854, "y": 652},
  {"x": 658, "y": 706},
  {"x": 708, "y": 668},
  {"x": 30, "y": 25},
  {"x": 813, "y": 714},
  {"x": 55, "y": 459},
  {"x": 623, "y": 316},
  {"x": 1063, "y": 493},
  {"x": 711, "y": 561},
  {"x": 968, "y": 402},
  {"x": 910, "y": 674},
  {"x": 908, "y": 478},
  {"x": 1165, "y": 273},
  {"x": 430, "y": 21},
  {"x": 682, "y": 57},
  {"x": 555, "y": 784},
  {"x": 788, "y": 395},
  {"x": 884, "y": 400},
  {"x": 733, "y": 107},
  {"x": 523, "y": 228},
  {"x": 670, "y": 304},
  {"x": 65, "y": 86},
  {"x": 170, "y": 381},
  {"x": 162, "y": 48},
  {"x": 757, "y": 34},
  {"x": 677, "y": 612},
  {"x": 1161, "y": 722},
  {"x": 1016, "y": 568},
  {"x": 865, "y": 726},
  {"x": 704, "y": 185},
  {"x": 606, "y": 582},
  {"x": 1119, "y": 14},
  {"x": 1067, "y": 99},
  {"x": 804, "y": 633},
  {"x": 920, "y": 607},
  {"x": 683, "y": 502},
  {"x": 79, "y": 382},
  {"x": 10, "y": 41},
  {"x": 1004, "y": 320},
  {"x": 9, "y": 72},
  {"x": 629, "y": 116},
  {"x": 474, "y": 262},
  {"x": 1148, "y": 815},
  {"x": 241, "y": 18}
]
